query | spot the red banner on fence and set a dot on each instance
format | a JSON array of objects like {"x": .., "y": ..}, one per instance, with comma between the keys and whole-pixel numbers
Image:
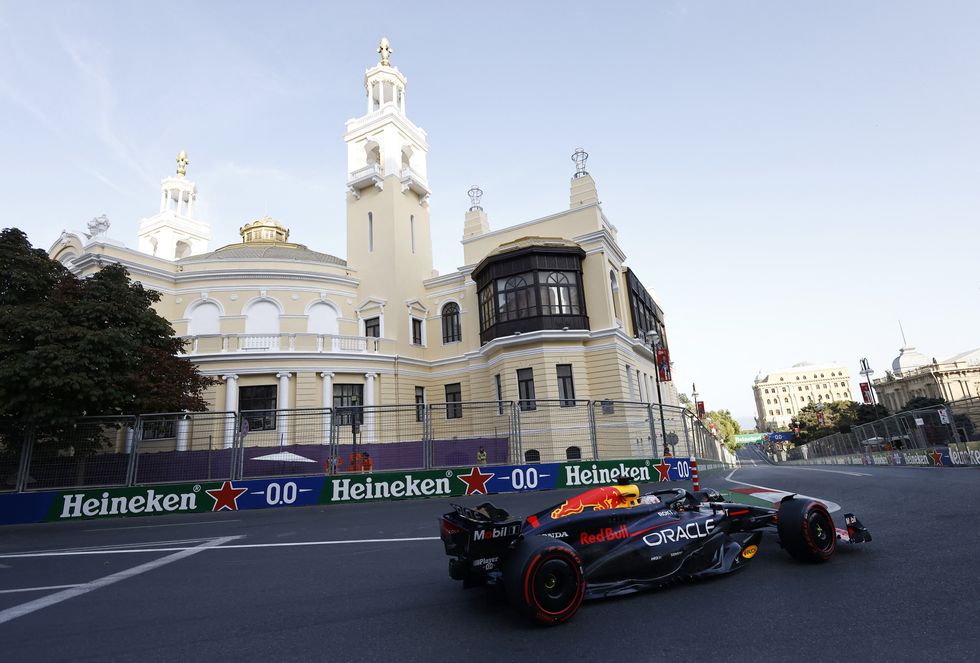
[
  {"x": 866, "y": 393},
  {"x": 700, "y": 406}
]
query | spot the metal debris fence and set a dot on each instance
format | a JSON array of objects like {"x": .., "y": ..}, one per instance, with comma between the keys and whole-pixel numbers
[
  {"x": 213, "y": 446},
  {"x": 958, "y": 422}
]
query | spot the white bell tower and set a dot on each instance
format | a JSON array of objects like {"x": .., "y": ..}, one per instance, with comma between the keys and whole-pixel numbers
[{"x": 173, "y": 232}]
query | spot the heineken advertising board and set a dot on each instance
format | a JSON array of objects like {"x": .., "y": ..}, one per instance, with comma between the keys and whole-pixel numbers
[{"x": 89, "y": 503}]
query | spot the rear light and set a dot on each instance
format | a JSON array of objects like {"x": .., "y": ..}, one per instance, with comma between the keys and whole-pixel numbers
[{"x": 447, "y": 529}]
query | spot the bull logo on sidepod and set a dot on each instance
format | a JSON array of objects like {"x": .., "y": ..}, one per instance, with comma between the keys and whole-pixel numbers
[{"x": 596, "y": 499}]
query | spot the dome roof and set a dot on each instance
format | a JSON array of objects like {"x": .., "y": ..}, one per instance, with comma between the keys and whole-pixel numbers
[
  {"x": 909, "y": 358},
  {"x": 280, "y": 251}
]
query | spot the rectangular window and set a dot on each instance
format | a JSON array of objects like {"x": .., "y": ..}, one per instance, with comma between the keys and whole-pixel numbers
[
  {"x": 500, "y": 393},
  {"x": 411, "y": 222},
  {"x": 419, "y": 403},
  {"x": 348, "y": 400},
  {"x": 416, "y": 331},
  {"x": 566, "y": 386},
  {"x": 525, "y": 389},
  {"x": 372, "y": 327},
  {"x": 159, "y": 429},
  {"x": 629, "y": 382},
  {"x": 259, "y": 406},
  {"x": 370, "y": 231},
  {"x": 454, "y": 398}
]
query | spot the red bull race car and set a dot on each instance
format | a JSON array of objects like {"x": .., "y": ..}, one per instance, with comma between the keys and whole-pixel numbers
[{"x": 612, "y": 540}]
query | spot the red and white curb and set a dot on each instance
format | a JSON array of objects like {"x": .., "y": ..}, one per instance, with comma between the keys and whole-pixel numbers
[{"x": 774, "y": 495}]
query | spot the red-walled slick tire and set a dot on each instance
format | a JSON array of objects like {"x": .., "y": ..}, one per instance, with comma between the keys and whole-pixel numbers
[
  {"x": 806, "y": 530},
  {"x": 543, "y": 579}
]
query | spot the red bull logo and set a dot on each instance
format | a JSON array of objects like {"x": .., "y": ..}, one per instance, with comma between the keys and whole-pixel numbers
[{"x": 597, "y": 499}]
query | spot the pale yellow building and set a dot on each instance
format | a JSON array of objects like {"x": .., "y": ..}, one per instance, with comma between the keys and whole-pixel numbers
[
  {"x": 780, "y": 395},
  {"x": 914, "y": 375},
  {"x": 543, "y": 310}
]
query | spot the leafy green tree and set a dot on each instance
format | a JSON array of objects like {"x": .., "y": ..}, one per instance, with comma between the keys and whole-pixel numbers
[
  {"x": 71, "y": 347},
  {"x": 727, "y": 427},
  {"x": 921, "y": 403}
]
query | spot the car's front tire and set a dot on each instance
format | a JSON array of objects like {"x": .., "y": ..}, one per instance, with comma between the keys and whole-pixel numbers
[
  {"x": 544, "y": 580},
  {"x": 806, "y": 530}
]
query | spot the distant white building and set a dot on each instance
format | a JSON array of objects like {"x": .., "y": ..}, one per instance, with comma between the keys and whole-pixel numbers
[
  {"x": 914, "y": 374},
  {"x": 780, "y": 395}
]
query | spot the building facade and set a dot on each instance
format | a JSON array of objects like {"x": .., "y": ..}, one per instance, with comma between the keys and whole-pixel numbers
[
  {"x": 913, "y": 375},
  {"x": 780, "y": 395},
  {"x": 545, "y": 310}
]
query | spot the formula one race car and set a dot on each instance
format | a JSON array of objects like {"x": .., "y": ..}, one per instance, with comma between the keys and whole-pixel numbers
[{"x": 611, "y": 540}]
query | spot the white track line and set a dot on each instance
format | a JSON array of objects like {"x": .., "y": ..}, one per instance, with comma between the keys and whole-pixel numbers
[
  {"x": 200, "y": 522},
  {"x": 170, "y": 545},
  {"x": 831, "y": 506},
  {"x": 34, "y": 589},
  {"x": 817, "y": 469},
  {"x": 72, "y": 553},
  {"x": 58, "y": 597}
]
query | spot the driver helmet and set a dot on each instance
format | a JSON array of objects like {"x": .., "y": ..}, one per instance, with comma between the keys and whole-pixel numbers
[{"x": 649, "y": 499}]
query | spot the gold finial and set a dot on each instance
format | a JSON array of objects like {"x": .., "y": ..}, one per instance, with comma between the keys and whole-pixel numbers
[
  {"x": 182, "y": 162},
  {"x": 386, "y": 50}
]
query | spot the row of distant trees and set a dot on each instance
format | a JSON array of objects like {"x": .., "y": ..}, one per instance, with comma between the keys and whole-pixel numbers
[
  {"x": 71, "y": 347},
  {"x": 820, "y": 420}
]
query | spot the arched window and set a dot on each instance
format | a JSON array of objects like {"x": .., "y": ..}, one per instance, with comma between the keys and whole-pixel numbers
[
  {"x": 516, "y": 297},
  {"x": 451, "y": 332},
  {"x": 614, "y": 287},
  {"x": 204, "y": 319},
  {"x": 559, "y": 294},
  {"x": 183, "y": 250},
  {"x": 532, "y": 456},
  {"x": 573, "y": 453},
  {"x": 322, "y": 319},
  {"x": 261, "y": 326}
]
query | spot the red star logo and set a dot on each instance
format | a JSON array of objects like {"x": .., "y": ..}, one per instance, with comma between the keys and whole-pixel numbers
[
  {"x": 663, "y": 469},
  {"x": 226, "y": 497},
  {"x": 476, "y": 481},
  {"x": 937, "y": 458}
]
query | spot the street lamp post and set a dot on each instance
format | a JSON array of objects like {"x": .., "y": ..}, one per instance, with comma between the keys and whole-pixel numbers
[
  {"x": 654, "y": 337},
  {"x": 694, "y": 394}
]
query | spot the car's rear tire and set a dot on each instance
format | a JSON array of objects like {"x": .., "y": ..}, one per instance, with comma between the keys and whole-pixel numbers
[
  {"x": 543, "y": 579},
  {"x": 806, "y": 530}
]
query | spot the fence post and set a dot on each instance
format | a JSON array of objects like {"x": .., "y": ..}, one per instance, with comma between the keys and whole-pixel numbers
[
  {"x": 24, "y": 468},
  {"x": 237, "y": 448},
  {"x": 655, "y": 445},
  {"x": 515, "y": 422},
  {"x": 134, "y": 451},
  {"x": 427, "y": 435},
  {"x": 687, "y": 434},
  {"x": 593, "y": 434}
]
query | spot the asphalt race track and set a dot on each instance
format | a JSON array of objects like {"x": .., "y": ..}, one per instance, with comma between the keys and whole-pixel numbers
[{"x": 178, "y": 589}]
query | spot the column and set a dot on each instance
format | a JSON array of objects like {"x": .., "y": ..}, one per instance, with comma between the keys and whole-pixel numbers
[
  {"x": 370, "y": 96},
  {"x": 190, "y": 205},
  {"x": 369, "y": 406},
  {"x": 327, "y": 403},
  {"x": 282, "y": 404},
  {"x": 183, "y": 432},
  {"x": 402, "y": 90},
  {"x": 163, "y": 199},
  {"x": 231, "y": 406},
  {"x": 381, "y": 94}
]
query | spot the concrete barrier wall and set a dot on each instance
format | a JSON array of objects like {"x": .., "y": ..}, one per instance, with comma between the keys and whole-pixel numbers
[{"x": 237, "y": 495}]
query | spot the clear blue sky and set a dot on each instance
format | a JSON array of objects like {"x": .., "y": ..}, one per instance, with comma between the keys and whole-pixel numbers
[{"x": 792, "y": 178}]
